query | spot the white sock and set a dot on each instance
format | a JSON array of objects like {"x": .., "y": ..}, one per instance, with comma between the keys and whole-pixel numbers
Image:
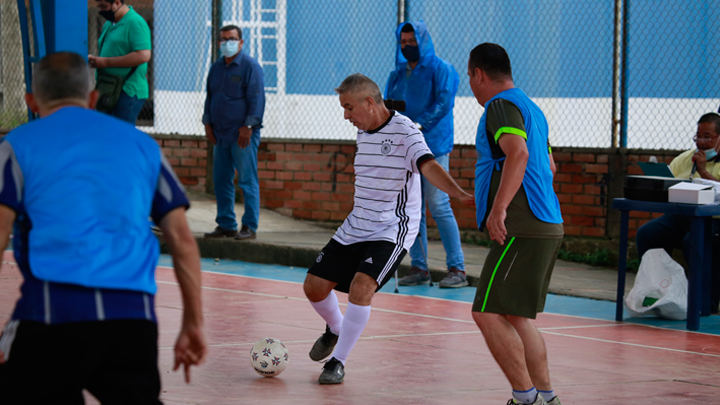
[
  {"x": 526, "y": 397},
  {"x": 356, "y": 317},
  {"x": 329, "y": 310},
  {"x": 547, "y": 395}
]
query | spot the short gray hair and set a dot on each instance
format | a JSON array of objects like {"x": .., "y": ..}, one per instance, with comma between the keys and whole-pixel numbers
[
  {"x": 359, "y": 83},
  {"x": 61, "y": 75}
]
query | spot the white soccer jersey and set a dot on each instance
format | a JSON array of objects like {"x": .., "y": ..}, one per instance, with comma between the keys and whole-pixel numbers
[{"x": 387, "y": 184}]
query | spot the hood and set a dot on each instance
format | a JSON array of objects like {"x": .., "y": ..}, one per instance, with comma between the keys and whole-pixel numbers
[{"x": 423, "y": 39}]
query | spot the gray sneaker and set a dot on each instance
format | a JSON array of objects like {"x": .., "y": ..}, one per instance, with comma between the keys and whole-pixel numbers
[
  {"x": 324, "y": 346},
  {"x": 417, "y": 276},
  {"x": 538, "y": 401},
  {"x": 555, "y": 401},
  {"x": 455, "y": 278},
  {"x": 333, "y": 372}
]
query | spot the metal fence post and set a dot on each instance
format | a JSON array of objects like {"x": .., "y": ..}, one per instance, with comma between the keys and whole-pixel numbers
[
  {"x": 625, "y": 73},
  {"x": 215, "y": 37}
]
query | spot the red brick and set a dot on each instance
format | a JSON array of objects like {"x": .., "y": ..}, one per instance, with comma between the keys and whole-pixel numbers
[
  {"x": 563, "y": 178},
  {"x": 330, "y": 206},
  {"x": 564, "y": 198},
  {"x": 320, "y": 196},
  {"x": 591, "y": 189},
  {"x": 284, "y": 194},
  {"x": 343, "y": 178},
  {"x": 571, "y": 188},
  {"x": 583, "y": 199},
  {"x": 656, "y": 215},
  {"x": 302, "y": 195},
  {"x": 274, "y": 184},
  {"x": 189, "y": 181},
  {"x": 159, "y": 142},
  {"x": 188, "y": 162},
  {"x": 173, "y": 161},
  {"x": 171, "y": 142},
  {"x": 311, "y": 205},
  {"x": 304, "y": 176},
  {"x": 181, "y": 152},
  {"x": 203, "y": 145},
  {"x": 635, "y": 170},
  {"x": 311, "y": 186},
  {"x": 593, "y": 231},
  {"x": 469, "y": 153},
  {"x": 321, "y": 176},
  {"x": 583, "y": 157},
  {"x": 198, "y": 171},
  {"x": 571, "y": 168},
  {"x": 467, "y": 173},
  {"x": 639, "y": 214},
  {"x": 189, "y": 144},
  {"x": 293, "y": 185},
  {"x": 273, "y": 165},
  {"x": 284, "y": 175},
  {"x": 314, "y": 148},
  {"x": 455, "y": 153},
  {"x": 293, "y": 204},
  {"x": 584, "y": 178},
  {"x": 293, "y": 166},
  {"x": 600, "y": 222},
  {"x": 571, "y": 209},
  {"x": 556, "y": 187},
  {"x": 330, "y": 148},
  {"x": 302, "y": 214},
  {"x": 305, "y": 157},
  {"x": 593, "y": 211},
  {"x": 572, "y": 230},
  {"x": 562, "y": 156},
  {"x": 167, "y": 151},
  {"x": 601, "y": 159},
  {"x": 284, "y": 156},
  {"x": 337, "y": 216},
  {"x": 321, "y": 215},
  {"x": 326, "y": 186},
  {"x": 596, "y": 168},
  {"x": 261, "y": 165},
  {"x": 346, "y": 207},
  {"x": 293, "y": 147},
  {"x": 342, "y": 197},
  {"x": 348, "y": 149},
  {"x": 275, "y": 146},
  {"x": 266, "y": 174},
  {"x": 182, "y": 171},
  {"x": 311, "y": 167},
  {"x": 463, "y": 183}
]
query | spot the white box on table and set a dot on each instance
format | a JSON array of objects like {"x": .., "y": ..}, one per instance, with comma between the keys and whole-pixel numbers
[{"x": 691, "y": 193}]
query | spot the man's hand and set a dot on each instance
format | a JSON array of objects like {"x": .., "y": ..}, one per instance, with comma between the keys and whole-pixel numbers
[
  {"x": 244, "y": 135},
  {"x": 496, "y": 225},
  {"x": 467, "y": 199},
  {"x": 97, "y": 62},
  {"x": 190, "y": 349},
  {"x": 210, "y": 134},
  {"x": 700, "y": 160}
]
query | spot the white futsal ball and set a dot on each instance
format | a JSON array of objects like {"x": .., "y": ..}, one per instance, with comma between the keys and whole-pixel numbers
[{"x": 269, "y": 357}]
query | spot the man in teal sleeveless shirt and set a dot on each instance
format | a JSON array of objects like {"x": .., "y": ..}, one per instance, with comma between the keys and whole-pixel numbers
[{"x": 516, "y": 202}]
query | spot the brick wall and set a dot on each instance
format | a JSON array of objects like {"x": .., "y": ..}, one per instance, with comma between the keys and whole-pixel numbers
[{"x": 314, "y": 181}]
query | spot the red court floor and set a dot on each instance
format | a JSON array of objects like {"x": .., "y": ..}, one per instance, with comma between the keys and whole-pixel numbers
[{"x": 415, "y": 350}]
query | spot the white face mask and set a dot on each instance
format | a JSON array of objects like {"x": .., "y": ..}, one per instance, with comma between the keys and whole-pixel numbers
[{"x": 229, "y": 48}]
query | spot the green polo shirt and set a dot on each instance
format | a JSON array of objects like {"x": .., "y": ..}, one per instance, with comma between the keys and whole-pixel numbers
[{"x": 128, "y": 35}]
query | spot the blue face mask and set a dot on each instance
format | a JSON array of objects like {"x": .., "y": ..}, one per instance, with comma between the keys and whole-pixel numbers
[
  {"x": 229, "y": 48},
  {"x": 710, "y": 154},
  {"x": 411, "y": 53}
]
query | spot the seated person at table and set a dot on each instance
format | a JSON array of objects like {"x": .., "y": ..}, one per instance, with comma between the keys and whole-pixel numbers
[{"x": 672, "y": 231}]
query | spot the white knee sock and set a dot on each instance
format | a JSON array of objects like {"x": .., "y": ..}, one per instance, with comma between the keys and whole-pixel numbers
[
  {"x": 356, "y": 317},
  {"x": 329, "y": 310}
]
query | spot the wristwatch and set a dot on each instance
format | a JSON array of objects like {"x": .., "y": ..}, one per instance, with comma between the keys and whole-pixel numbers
[
  {"x": 249, "y": 127},
  {"x": 420, "y": 127}
]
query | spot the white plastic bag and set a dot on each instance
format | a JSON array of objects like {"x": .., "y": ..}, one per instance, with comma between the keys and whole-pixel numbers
[{"x": 662, "y": 278}]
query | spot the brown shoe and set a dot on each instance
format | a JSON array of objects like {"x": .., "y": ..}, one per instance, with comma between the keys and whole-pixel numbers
[
  {"x": 221, "y": 233},
  {"x": 245, "y": 234}
]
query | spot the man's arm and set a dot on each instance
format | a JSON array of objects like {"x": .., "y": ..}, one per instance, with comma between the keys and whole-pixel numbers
[
  {"x": 7, "y": 219},
  {"x": 190, "y": 347},
  {"x": 255, "y": 102},
  {"x": 132, "y": 59},
  {"x": 516, "y": 152},
  {"x": 206, "y": 112},
  {"x": 446, "y": 86},
  {"x": 439, "y": 178},
  {"x": 553, "y": 167}
]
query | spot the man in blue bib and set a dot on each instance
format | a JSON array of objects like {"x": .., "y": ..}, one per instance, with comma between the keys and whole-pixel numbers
[
  {"x": 516, "y": 202},
  {"x": 86, "y": 318}
]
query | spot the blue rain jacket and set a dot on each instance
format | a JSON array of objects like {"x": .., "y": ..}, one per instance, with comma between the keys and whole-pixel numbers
[{"x": 429, "y": 91}]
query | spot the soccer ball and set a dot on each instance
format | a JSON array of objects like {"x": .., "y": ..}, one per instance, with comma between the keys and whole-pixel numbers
[{"x": 269, "y": 357}]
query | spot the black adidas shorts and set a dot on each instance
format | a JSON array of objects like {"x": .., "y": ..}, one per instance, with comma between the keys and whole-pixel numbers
[{"x": 339, "y": 263}]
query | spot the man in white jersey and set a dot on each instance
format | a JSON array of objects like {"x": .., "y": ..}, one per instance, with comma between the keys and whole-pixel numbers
[{"x": 371, "y": 243}]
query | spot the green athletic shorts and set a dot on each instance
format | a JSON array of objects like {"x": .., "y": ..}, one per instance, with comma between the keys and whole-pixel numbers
[{"x": 515, "y": 277}]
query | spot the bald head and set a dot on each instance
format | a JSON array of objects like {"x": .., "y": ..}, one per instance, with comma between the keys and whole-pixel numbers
[{"x": 59, "y": 77}]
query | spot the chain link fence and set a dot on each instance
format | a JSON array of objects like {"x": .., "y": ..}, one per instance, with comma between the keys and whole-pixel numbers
[{"x": 562, "y": 53}]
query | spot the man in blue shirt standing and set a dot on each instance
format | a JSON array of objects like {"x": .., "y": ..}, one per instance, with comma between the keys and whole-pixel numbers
[
  {"x": 234, "y": 108},
  {"x": 428, "y": 86},
  {"x": 86, "y": 316}
]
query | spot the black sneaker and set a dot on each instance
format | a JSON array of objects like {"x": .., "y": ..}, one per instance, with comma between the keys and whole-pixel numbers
[
  {"x": 324, "y": 346},
  {"x": 333, "y": 372},
  {"x": 221, "y": 233}
]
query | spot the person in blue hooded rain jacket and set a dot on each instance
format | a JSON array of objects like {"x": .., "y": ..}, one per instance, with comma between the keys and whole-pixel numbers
[{"x": 427, "y": 85}]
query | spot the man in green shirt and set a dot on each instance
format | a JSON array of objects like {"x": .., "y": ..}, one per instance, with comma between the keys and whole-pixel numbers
[{"x": 124, "y": 49}]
